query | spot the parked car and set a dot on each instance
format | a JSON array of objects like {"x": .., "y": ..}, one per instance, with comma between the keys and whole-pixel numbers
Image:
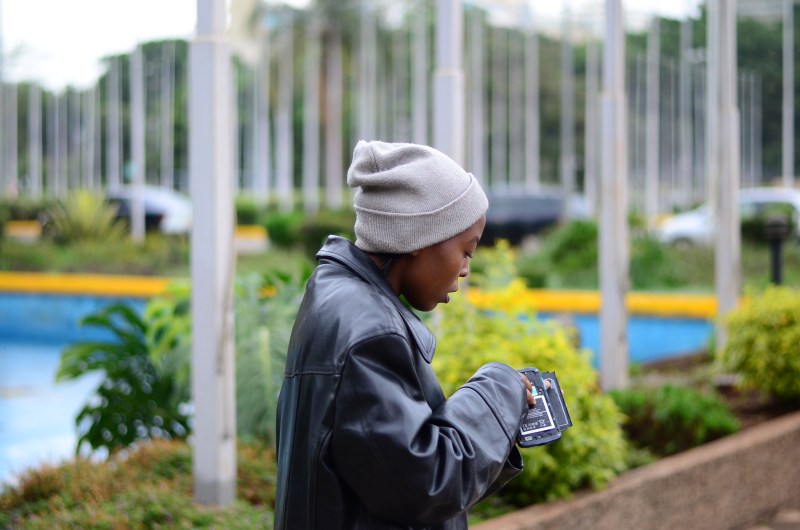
[
  {"x": 516, "y": 214},
  {"x": 695, "y": 227},
  {"x": 165, "y": 210}
]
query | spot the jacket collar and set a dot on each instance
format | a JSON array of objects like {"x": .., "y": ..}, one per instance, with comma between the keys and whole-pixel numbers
[{"x": 346, "y": 253}]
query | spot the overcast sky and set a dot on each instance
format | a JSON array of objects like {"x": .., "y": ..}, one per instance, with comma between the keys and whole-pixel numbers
[{"x": 60, "y": 42}]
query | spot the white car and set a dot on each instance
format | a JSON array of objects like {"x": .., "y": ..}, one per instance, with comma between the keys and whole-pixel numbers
[
  {"x": 167, "y": 211},
  {"x": 695, "y": 227}
]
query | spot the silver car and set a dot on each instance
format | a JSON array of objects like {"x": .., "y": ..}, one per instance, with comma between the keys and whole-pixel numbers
[{"x": 695, "y": 227}]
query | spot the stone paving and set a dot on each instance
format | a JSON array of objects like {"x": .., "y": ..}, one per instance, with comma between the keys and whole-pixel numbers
[{"x": 785, "y": 519}]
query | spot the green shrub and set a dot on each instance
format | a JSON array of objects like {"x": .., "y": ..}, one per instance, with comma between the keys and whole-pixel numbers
[
  {"x": 763, "y": 342},
  {"x": 146, "y": 382},
  {"x": 569, "y": 257},
  {"x": 283, "y": 228},
  {"x": 593, "y": 450},
  {"x": 158, "y": 255},
  {"x": 263, "y": 328},
  {"x": 84, "y": 216},
  {"x": 652, "y": 265},
  {"x": 573, "y": 246},
  {"x": 753, "y": 227},
  {"x": 668, "y": 419},
  {"x": 315, "y": 229},
  {"x": 247, "y": 210},
  {"x": 26, "y": 208},
  {"x": 4, "y": 218},
  {"x": 147, "y": 364}
]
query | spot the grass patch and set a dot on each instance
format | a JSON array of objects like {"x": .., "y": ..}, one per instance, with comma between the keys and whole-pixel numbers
[{"x": 149, "y": 486}]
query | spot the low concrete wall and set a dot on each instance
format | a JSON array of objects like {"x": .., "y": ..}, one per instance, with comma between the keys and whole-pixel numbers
[{"x": 728, "y": 484}]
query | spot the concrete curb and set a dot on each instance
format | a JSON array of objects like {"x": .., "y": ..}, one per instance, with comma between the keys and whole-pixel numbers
[{"x": 724, "y": 485}]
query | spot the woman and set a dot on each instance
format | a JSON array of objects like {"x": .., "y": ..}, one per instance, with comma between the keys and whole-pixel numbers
[{"x": 366, "y": 438}]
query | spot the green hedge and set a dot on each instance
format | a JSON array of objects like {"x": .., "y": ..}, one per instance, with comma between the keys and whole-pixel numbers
[
  {"x": 308, "y": 232},
  {"x": 26, "y": 208},
  {"x": 763, "y": 342},
  {"x": 569, "y": 255}
]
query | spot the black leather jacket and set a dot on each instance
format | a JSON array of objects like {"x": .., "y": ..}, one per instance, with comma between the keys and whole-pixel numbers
[{"x": 366, "y": 439}]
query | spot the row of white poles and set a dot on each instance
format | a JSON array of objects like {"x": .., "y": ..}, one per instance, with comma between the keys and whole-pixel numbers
[{"x": 512, "y": 158}]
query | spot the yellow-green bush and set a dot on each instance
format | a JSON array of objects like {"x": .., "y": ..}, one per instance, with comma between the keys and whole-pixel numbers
[
  {"x": 84, "y": 215},
  {"x": 593, "y": 450},
  {"x": 763, "y": 342}
]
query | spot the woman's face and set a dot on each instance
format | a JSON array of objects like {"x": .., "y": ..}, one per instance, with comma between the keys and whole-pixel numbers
[{"x": 428, "y": 276}]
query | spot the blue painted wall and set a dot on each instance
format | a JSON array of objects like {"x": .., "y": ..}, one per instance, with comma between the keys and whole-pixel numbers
[
  {"x": 649, "y": 338},
  {"x": 53, "y": 318}
]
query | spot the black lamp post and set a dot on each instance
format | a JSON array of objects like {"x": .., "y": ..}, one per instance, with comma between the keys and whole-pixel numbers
[{"x": 776, "y": 230}]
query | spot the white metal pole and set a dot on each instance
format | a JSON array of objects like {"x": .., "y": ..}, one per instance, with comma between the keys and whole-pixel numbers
[
  {"x": 499, "y": 116},
  {"x": 532, "y": 111},
  {"x": 264, "y": 144},
  {"x": 420, "y": 76},
  {"x": 97, "y": 175},
  {"x": 591, "y": 129},
  {"x": 54, "y": 174},
  {"x": 63, "y": 143},
  {"x": 699, "y": 188},
  {"x": 477, "y": 107},
  {"x": 34, "y": 140},
  {"x": 712, "y": 105},
  {"x": 167, "y": 115},
  {"x": 113, "y": 134},
  {"x": 137, "y": 144},
  {"x": 284, "y": 163},
  {"x": 759, "y": 132},
  {"x": 752, "y": 135},
  {"x": 567, "y": 125},
  {"x": 788, "y": 93},
  {"x": 3, "y": 186},
  {"x": 334, "y": 166},
  {"x": 311, "y": 119},
  {"x": 613, "y": 220},
  {"x": 685, "y": 163},
  {"x": 401, "y": 66},
  {"x": 448, "y": 80},
  {"x": 88, "y": 139},
  {"x": 12, "y": 166},
  {"x": 727, "y": 156},
  {"x": 653, "y": 124},
  {"x": 211, "y": 172},
  {"x": 367, "y": 104},
  {"x": 516, "y": 116},
  {"x": 74, "y": 139}
]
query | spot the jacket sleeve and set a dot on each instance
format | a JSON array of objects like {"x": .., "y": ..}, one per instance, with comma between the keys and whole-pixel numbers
[{"x": 413, "y": 464}]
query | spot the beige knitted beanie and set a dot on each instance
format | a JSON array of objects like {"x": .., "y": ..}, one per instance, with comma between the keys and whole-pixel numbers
[{"x": 410, "y": 196}]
